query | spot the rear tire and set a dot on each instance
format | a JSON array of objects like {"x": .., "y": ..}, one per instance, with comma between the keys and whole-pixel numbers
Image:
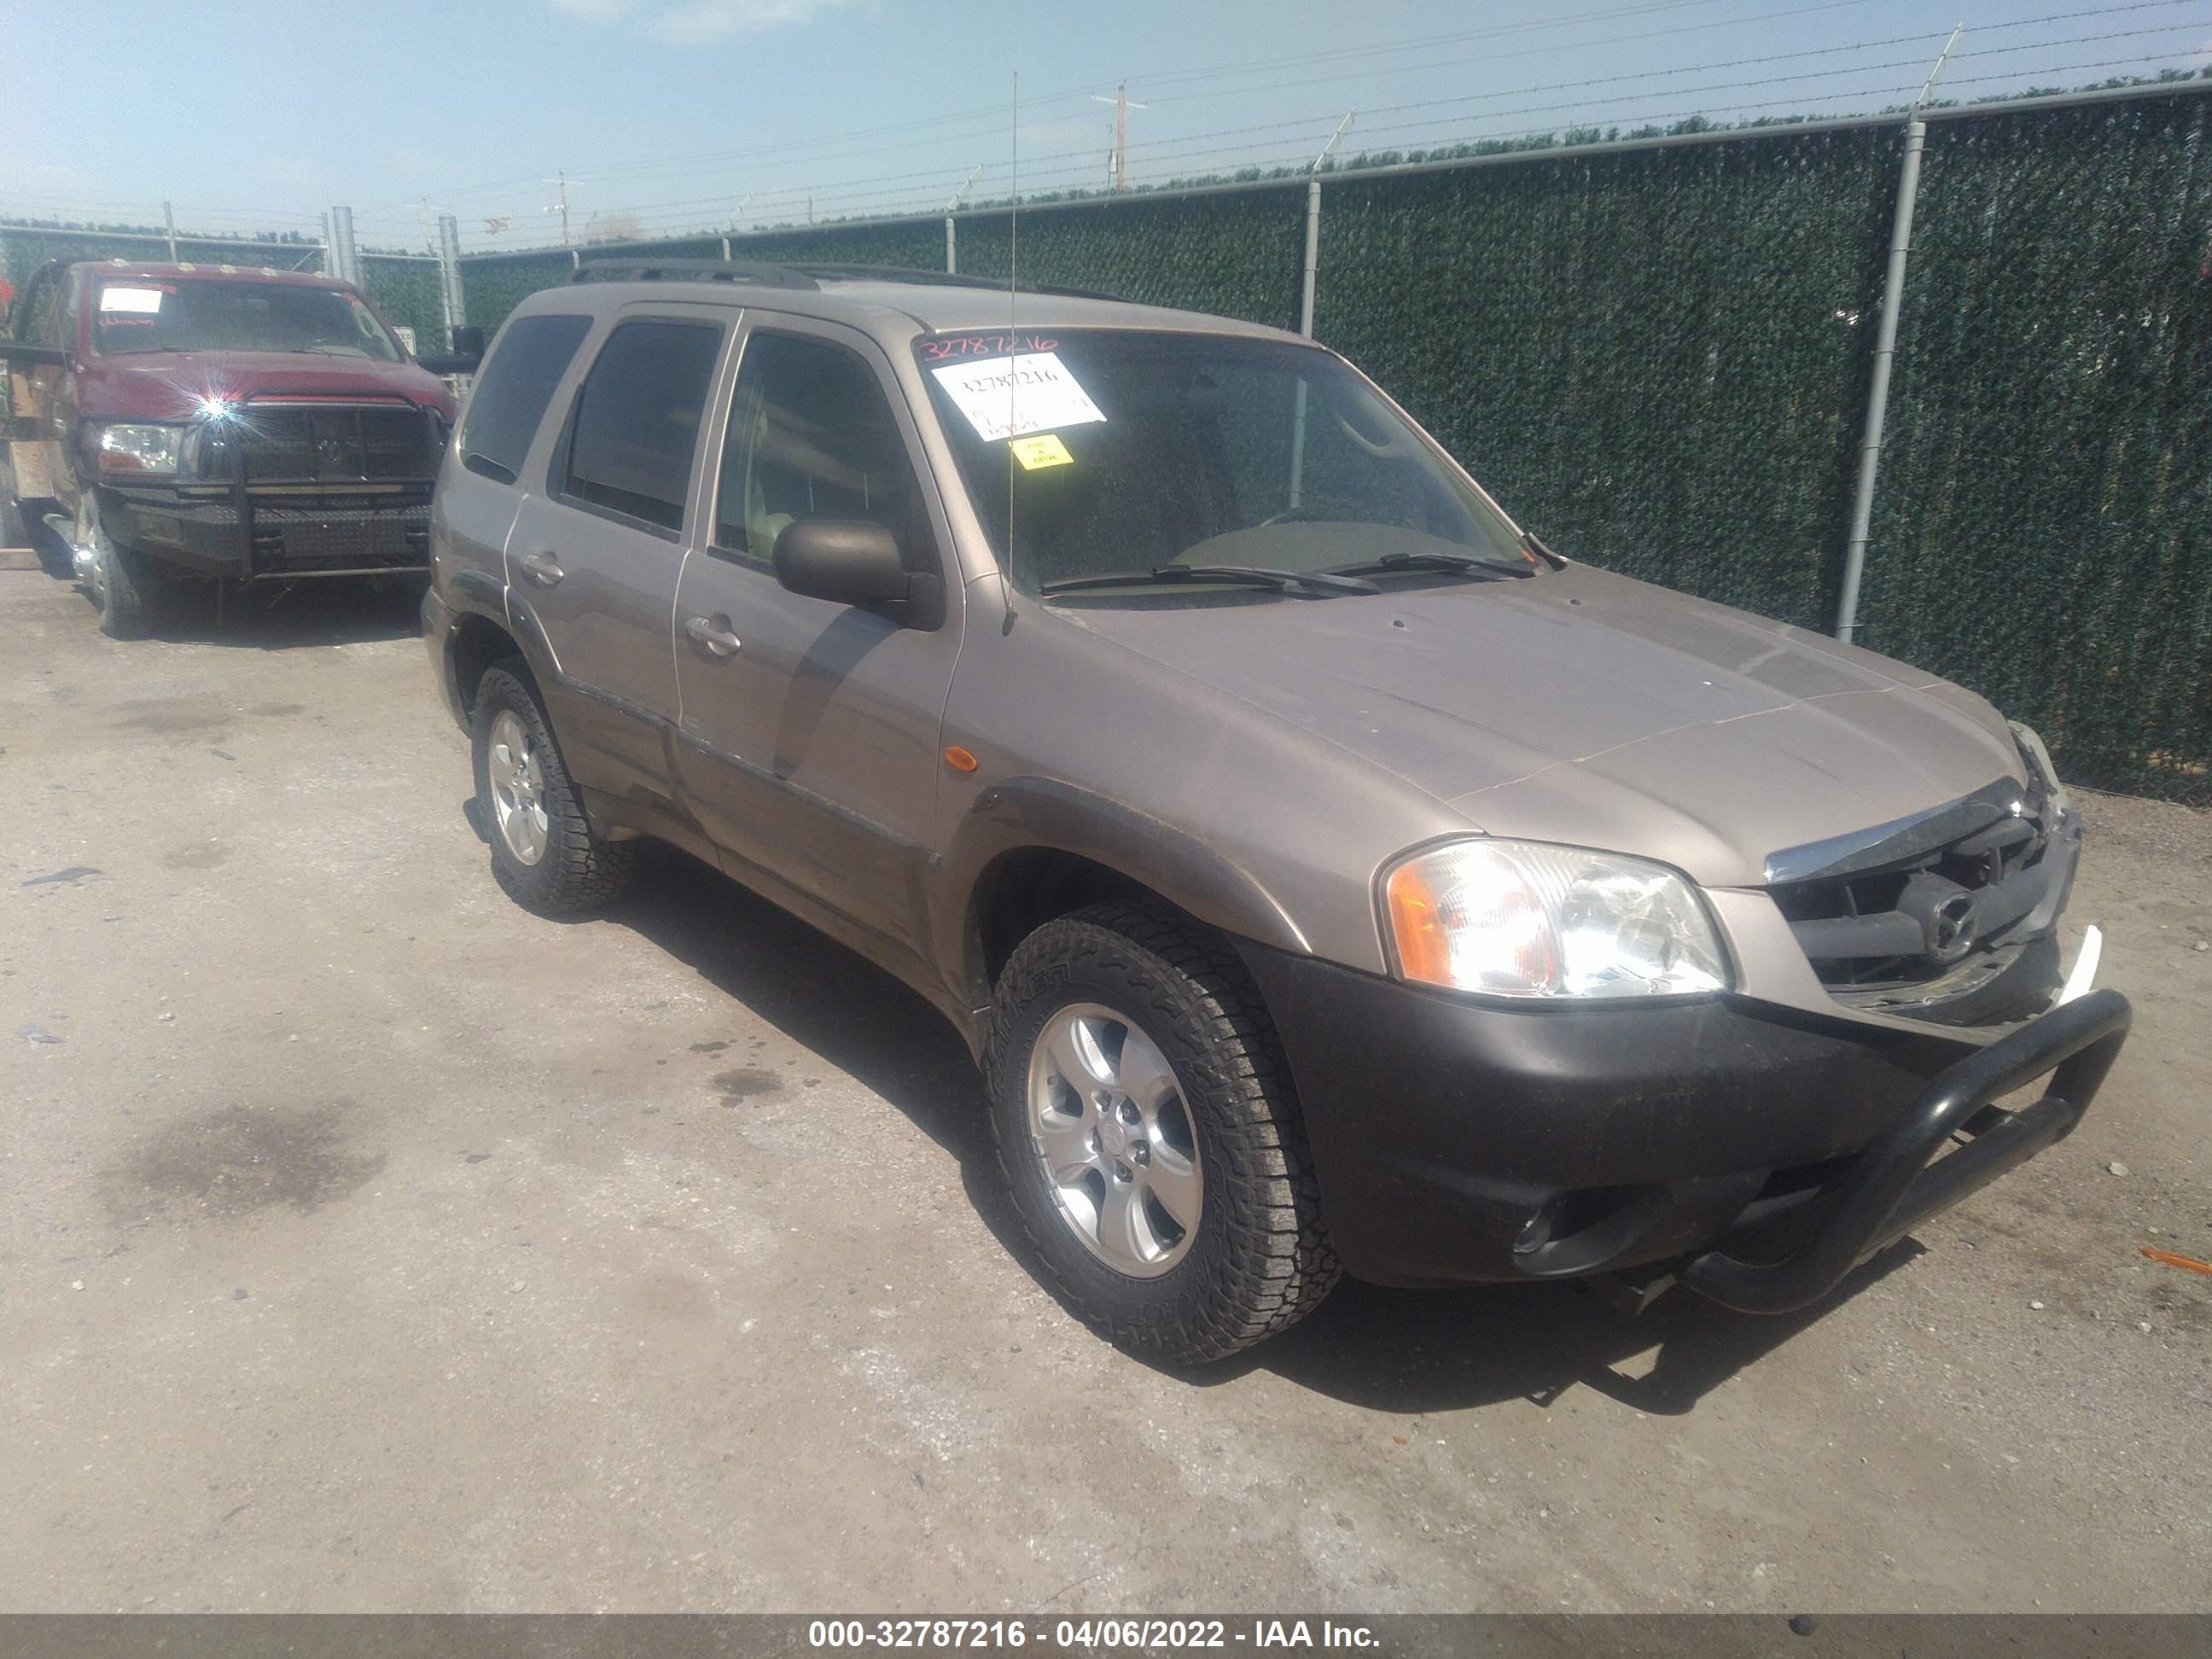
[
  {"x": 1117, "y": 993},
  {"x": 542, "y": 850}
]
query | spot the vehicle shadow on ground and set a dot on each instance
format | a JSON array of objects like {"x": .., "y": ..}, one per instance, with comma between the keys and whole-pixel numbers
[
  {"x": 270, "y": 615},
  {"x": 1402, "y": 1351},
  {"x": 281, "y": 617}
]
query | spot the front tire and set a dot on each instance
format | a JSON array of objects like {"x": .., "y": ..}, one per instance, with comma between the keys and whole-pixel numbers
[
  {"x": 123, "y": 584},
  {"x": 542, "y": 850},
  {"x": 1150, "y": 1138}
]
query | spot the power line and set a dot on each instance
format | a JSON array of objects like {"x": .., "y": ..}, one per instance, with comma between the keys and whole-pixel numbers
[
  {"x": 997, "y": 115},
  {"x": 1276, "y": 156},
  {"x": 1152, "y": 151}
]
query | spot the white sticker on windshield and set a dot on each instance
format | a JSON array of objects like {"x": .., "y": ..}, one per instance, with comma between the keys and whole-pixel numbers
[
  {"x": 142, "y": 300},
  {"x": 1009, "y": 397}
]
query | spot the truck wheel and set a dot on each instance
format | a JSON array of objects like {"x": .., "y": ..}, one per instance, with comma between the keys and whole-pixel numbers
[
  {"x": 123, "y": 584},
  {"x": 542, "y": 850},
  {"x": 1147, "y": 1127}
]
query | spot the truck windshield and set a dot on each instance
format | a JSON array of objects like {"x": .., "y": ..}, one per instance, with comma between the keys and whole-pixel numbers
[
  {"x": 1124, "y": 451},
  {"x": 168, "y": 313}
]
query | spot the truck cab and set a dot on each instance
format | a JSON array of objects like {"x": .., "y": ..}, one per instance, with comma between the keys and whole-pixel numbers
[{"x": 179, "y": 423}]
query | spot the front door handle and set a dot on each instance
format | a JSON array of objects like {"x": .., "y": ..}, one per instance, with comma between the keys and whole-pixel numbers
[
  {"x": 719, "y": 640},
  {"x": 542, "y": 567}
]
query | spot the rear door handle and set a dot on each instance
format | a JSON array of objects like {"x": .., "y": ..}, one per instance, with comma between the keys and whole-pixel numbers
[
  {"x": 542, "y": 567},
  {"x": 719, "y": 640}
]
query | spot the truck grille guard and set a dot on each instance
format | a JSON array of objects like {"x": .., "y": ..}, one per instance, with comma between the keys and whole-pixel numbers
[{"x": 1906, "y": 1177}]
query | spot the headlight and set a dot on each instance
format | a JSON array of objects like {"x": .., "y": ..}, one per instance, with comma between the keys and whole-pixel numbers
[
  {"x": 140, "y": 449},
  {"x": 1523, "y": 919}
]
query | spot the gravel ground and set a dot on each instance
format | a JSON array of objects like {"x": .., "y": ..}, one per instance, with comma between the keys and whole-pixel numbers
[{"x": 371, "y": 1245}]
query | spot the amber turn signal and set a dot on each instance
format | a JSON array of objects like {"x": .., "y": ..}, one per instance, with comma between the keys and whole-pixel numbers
[{"x": 960, "y": 760}]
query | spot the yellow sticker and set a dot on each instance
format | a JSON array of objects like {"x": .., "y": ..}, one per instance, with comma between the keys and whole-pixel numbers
[{"x": 1043, "y": 451}]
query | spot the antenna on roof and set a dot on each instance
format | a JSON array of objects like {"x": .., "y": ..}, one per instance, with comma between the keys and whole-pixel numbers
[{"x": 1013, "y": 246}]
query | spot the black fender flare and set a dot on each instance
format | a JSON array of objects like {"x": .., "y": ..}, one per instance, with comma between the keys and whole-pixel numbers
[{"x": 1031, "y": 814}]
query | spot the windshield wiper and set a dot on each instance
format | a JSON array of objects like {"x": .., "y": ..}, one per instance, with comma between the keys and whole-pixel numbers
[
  {"x": 1252, "y": 575},
  {"x": 1458, "y": 563}
]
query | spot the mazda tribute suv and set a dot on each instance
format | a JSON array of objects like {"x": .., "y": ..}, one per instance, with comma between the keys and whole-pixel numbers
[{"x": 1328, "y": 876}]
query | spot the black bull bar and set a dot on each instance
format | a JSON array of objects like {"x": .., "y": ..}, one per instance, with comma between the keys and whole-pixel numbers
[{"x": 1899, "y": 1181}]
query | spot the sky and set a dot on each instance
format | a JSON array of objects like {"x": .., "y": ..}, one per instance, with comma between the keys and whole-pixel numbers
[{"x": 684, "y": 115}]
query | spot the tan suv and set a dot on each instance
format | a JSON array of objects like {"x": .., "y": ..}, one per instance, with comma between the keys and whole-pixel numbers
[{"x": 1328, "y": 876}]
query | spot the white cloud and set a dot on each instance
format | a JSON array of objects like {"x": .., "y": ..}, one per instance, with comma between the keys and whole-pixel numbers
[{"x": 691, "y": 21}]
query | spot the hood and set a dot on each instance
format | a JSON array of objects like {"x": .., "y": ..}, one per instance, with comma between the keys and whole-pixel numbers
[
  {"x": 167, "y": 386},
  {"x": 1585, "y": 708}
]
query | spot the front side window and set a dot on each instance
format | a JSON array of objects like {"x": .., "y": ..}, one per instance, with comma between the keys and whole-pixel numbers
[
  {"x": 812, "y": 436},
  {"x": 512, "y": 392},
  {"x": 1090, "y": 452},
  {"x": 636, "y": 420},
  {"x": 133, "y": 314}
]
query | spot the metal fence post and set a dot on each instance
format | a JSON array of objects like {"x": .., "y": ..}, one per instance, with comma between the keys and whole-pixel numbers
[
  {"x": 1313, "y": 257},
  {"x": 1885, "y": 350},
  {"x": 449, "y": 274},
  {"x": 169, "y": 223},
  {"x": 346, "y": 266},
  {"x": 951, "y": 247}
]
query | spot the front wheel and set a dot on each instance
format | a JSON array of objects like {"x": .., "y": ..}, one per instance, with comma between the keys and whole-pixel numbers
[
  {"x": 123, "y": 585},
  {"x": 1148, "y": 1131},
  {"x": 542, "y": 850}
]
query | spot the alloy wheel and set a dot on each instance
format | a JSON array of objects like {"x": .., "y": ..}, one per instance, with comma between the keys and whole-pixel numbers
[
  {"x": 1113, "y": 1133},
  {"x": 518, "y": 788}
]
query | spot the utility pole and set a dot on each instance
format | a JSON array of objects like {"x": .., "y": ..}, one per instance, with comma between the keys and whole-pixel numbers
[
  {"x": 1120, "y": 171},
  {"x": 169, "y": 222}
]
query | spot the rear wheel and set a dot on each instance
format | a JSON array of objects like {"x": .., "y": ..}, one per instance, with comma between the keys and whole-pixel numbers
[
  {"x": 1150, "y": 1138},
  {"x": 542, "y": 850}
]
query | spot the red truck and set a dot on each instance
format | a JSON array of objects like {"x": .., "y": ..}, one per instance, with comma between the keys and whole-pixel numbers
[{"x": 180, "y": 422}]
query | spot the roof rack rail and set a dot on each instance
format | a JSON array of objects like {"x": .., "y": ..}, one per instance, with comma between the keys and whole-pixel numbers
[
  {"x": 800, "y": 275},
  {"x": 754, "y": 272},
  {"x": 940, "y": 279}
]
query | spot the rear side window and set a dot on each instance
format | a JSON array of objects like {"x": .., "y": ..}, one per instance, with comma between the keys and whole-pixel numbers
[
  {"x": 512, "y": 392},
  {"x": 637, "y": 422}
]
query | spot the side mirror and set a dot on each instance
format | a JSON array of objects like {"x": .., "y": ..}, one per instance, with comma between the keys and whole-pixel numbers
[
  {"x": 852, "y": 562},
  {"x": 24, "y": 355},
  {"x": 467, "y": 354}
]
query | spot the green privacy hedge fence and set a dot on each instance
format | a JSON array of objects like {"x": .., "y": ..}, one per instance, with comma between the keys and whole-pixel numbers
[{"x": 2043, "y": 532}]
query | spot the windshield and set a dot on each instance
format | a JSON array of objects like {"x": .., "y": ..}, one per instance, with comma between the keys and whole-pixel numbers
[
  {"x": 1124, "y": 451},
  {"x": 141, "y": 314}
]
